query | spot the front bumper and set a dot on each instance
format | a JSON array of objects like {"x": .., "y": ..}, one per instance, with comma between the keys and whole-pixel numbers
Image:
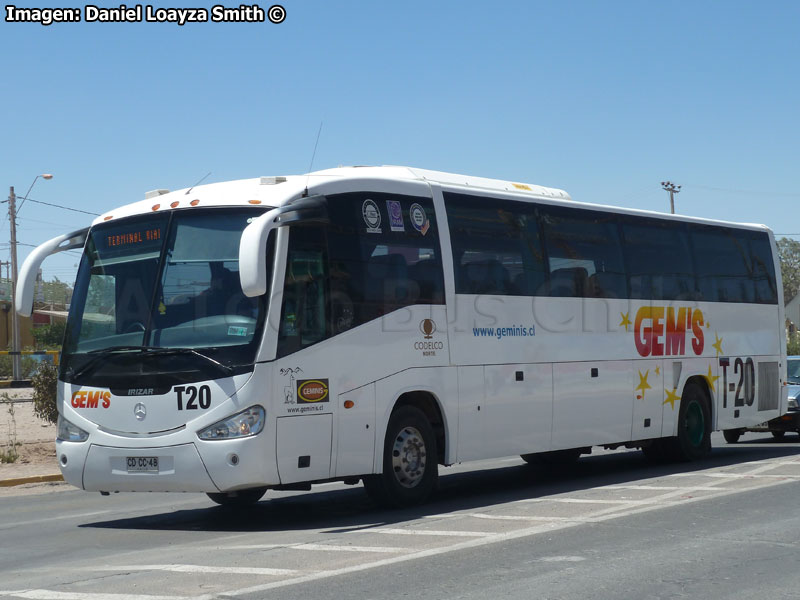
[{"x": 185, "y": 467}]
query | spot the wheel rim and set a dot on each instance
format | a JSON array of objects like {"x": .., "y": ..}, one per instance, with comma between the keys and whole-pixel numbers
[
  {"x": 695, "y": 424},
  {"x": 408, "y": 457}
]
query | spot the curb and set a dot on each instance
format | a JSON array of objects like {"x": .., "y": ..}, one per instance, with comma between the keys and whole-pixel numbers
[
  {"x": 33, "y": 479},
  {"x": 17, "y": 383}
]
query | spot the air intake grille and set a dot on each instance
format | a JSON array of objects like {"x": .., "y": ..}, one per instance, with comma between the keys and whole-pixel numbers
[{"x": 768, "y": 381}]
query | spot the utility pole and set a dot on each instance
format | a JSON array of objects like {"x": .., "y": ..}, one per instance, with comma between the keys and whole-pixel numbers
[
  {"x": 672, "y": 189},
  {"x": 15, "y": 340}
]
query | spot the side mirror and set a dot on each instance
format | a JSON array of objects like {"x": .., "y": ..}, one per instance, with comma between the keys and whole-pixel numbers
[
  {"x": 26, "y": 281},
  {"x": 253, "y": 244}
]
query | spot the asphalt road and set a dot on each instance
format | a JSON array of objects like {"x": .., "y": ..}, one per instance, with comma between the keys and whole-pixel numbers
[{"x": 614, "y": 526}]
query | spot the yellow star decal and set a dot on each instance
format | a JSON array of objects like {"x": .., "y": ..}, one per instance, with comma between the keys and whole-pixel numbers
[
  {"x": 643, "y": 385},
  {"x": 658, "y": 370},
  {"x": 625, "y": 320},
  {"x": 672, "y": 397},
  {"x": 718, "y": 344},
  {"x": 710, "y": 378}
]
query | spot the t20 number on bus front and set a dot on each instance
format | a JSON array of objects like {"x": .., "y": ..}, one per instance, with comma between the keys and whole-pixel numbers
[{"x": 195, "y": 397}]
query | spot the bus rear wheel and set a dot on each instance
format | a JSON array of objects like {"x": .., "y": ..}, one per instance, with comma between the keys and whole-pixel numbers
[
  {"x": 694, "y": 426},
  {"x": 410, "y": 469},
  {"x": 238, "y": 498}
]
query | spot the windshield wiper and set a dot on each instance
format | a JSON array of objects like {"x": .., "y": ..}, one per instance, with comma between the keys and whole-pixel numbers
[
  {"x": 98, "y": 355},
  {"x": 167, "y": 351}
]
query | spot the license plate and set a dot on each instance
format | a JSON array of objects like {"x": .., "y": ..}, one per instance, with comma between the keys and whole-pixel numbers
[{"x": 142, "y": 464}]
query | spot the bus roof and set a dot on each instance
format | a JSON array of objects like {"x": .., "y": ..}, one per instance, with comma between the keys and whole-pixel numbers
[{"x": 278, "y": 190}]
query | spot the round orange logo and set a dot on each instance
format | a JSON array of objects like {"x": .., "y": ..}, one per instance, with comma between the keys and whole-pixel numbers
[{"x": 313, "y": 390}]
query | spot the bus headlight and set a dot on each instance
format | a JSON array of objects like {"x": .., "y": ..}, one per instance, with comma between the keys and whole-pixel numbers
[
  {"x": 69, "y": 432},
  {"x": 243, "y": 424},
  {"x": 792, "y": 402}
]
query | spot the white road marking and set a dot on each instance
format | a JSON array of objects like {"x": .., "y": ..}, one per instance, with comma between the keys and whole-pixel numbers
[
  {"x": 611, "y": 513},
  {"x": 320, "y": 547},
  {"x": 499, "y": 517},
  {"x": 196, "y": 569},
  {"x": 561, "y": 559},
  {"x": 585, "y": 501},
  {"x": 53, "y": 595},
  {"x": 736, "y": 476},
  {"x": 660, "y": 487},
  {"x": 439, "y": 532},
  {"x": 58, "y": 518}
]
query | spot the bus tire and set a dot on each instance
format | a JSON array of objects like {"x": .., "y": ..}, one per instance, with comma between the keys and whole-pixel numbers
[
  {"x": 410, "y": 469},
  {"x": 655, "y": 451},
  {"x": 238, "y": 498},
  {"x": 555, "y": 458},
  {"x": 694, "y": 426},
  {"x": 732, "y": 435},
  {"x": 778, "y": 435}
]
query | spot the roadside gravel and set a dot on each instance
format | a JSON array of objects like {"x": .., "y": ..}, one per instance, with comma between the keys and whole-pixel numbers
[{"x": 33, "y": 439}]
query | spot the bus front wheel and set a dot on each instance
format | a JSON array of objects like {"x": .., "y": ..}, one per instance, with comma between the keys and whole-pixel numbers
[
  {"x": 239, "y": 498},
  {"x": 410, "y": 469}
]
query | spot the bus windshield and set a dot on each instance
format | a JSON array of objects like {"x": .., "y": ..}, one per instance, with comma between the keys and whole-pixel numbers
[{"x": 164, "y": 281}]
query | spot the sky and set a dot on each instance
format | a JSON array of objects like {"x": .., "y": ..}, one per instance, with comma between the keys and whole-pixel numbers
[{"x": 603, "y": 99}]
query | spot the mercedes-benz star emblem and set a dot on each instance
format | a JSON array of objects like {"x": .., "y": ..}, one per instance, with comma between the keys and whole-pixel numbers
[{"x": 140, "y": 411}]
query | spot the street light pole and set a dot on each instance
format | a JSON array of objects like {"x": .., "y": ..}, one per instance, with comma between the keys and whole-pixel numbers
[
  {"x": 672, "y": 189},
  {"x": 16, "y": 344}
]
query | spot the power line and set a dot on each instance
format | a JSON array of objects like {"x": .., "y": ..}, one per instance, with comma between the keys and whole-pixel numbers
[
  {"x": 86, "y": 212},
  {"x": 760, "y": 193}
]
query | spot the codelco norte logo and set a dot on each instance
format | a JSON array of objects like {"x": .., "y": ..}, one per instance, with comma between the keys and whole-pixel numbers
[
  {"x": 312, "y": 391},
  {"x": 90, "y": 399},
  {"x": 662, "y": 330}
]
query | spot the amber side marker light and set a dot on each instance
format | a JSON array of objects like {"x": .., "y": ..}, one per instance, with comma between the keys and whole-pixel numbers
[
  {"x": 194, "y": 202},
  {"x": 349, "y": 404},
  {"x": 156, "y": 206},
  {"x": 174, "y": 204},
  {"x": 254, "y": 201},
  {"x": 108, "y": 217}
]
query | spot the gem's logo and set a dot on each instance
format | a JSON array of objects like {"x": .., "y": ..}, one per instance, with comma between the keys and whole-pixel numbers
[
  {"x": 310, "y": 391},
  {"x": 427, "y": 327},
  {"x": 662, "y": 331},
  {"x": 90, "y": 399}
]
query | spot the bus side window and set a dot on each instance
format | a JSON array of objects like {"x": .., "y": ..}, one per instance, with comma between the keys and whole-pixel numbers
[
  {"x": 722, "y": 258},
  {"x": 496, "y": 246},
  {"x": 584, "y": 253},
  {"x": 303, "y": 315},
  {"x": 658, "y": 259}
]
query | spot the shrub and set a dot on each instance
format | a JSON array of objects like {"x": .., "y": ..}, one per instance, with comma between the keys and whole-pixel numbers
[
  {"x": 27, "y": 366},
  {"x": 49, "y": 337},
  {"x": 44, "y": 383}
]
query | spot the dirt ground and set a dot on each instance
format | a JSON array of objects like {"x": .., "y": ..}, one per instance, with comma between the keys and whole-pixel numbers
[{"x": 32, "y": 438}]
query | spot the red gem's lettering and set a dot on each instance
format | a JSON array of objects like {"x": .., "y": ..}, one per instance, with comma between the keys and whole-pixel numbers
[{"x": 656, "y": 335}]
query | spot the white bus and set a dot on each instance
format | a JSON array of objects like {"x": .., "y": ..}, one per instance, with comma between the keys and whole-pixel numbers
[{"x": 373, "y": 323}]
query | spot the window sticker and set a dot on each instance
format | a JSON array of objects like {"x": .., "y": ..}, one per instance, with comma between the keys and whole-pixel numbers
[
  {"x": 395, "y": 215},
  {"x": 372, "y": 216},
  {"x": 419, "y": 220},
  {"x": 240, "y": 331}
]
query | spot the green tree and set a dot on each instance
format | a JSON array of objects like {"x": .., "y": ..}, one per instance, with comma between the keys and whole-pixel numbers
[
  {"x": 50, "y": 337},
  {"x": 789, "y": 254}
]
